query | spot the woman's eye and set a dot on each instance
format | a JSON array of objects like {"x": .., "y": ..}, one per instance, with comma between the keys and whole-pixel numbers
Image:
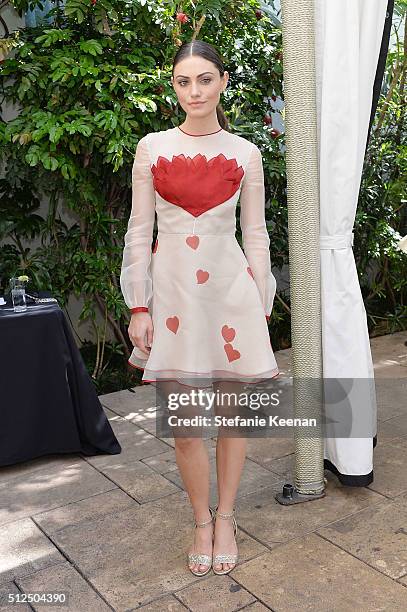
[{"x": 203, "y": 80}]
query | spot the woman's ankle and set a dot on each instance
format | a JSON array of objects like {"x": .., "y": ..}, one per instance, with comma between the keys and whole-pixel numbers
[
  {"x": 202, "y": 516},
  {"x": 225, "y": 509}
]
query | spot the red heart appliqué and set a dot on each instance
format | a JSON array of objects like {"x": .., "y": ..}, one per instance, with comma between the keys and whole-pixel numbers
[
  {"x": 196, "y": 184},
  {"x": 228, "y": 333},
  {"x": 232, "y": 354},
  {"x": 192, "y": 241},
  {"x": 202, "y": 276},
  {"x": 250, "y": 271},
  {"x": 172, "y": 323}
]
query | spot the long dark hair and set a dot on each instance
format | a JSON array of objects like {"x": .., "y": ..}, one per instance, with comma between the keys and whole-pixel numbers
[{"x": 205, "y": 50}]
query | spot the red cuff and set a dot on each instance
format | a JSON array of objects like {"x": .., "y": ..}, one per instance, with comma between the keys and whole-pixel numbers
[{"x": 139, "y": 309}]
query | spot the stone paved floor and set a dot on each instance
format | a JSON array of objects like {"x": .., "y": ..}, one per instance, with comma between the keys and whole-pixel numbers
[{"x": 112, "y": 531}]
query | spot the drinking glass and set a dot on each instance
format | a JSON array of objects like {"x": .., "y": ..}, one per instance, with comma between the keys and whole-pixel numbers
[{"x": 18, "y": 295}]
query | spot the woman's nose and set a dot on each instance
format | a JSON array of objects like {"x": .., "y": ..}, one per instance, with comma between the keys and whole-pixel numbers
[{"x": 195, "y": 89}]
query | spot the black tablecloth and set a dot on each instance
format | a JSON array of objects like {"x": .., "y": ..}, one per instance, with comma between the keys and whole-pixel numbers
[{"x": 48, "y": 401}]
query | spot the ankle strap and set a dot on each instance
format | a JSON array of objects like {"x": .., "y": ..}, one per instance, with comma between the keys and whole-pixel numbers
[
  {"x": 205, "y": 522},
  {"x": 225, "y": 515}
]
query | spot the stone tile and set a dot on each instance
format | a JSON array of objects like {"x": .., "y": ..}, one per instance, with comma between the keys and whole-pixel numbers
[
  {"x": 25, "y": 549},
  {"x": 138, "y": 407},
  {"x": 402, "y": 500},
  {"x": 215, "y": 593},
  {"x": 89, "y": 509},
  {"x": 390, "y": 460},
  {"x": 264, "y": 518},
  {"x": 391, "y": 396},
  {"x": 257, "y": 606},
  {"x": 149, "y": 423},
  {"x": 283, "y": 466},
  {"x": 392, "y": 371},
  {"x": 140, "y": 481},
  {"x": 254, "y": 478},
  {"x": 9, "y": 588},
  {"x": 165, "y": 462},
  {"x": 321, "y": 577},
  {"x": 376, "y": 535},
  {"x": 164, "y": 604},
  {"x": 139, "y": 400},
  {"x": 265, "y": 450},
  {"x": 392, "y": 428},
  {"x": 389, "y": 352},
  {"x": 120, "y": 555},
  {"x": 170, "y": 442},
  {"x": 136, "y": 444},
  {"x": 65, "y": 579},
  {"x": 27, "y": 468},
  {"x": 57, "y": 483}
]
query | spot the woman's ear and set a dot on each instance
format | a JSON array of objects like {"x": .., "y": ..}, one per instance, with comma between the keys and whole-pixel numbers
[{"x": 225, "y": 78}]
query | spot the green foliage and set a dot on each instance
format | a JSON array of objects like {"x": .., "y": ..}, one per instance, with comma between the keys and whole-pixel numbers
[{"x": 381, "y": 219}]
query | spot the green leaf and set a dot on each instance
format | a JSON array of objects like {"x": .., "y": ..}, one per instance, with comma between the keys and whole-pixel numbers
[
  {"x": 49, "y": 163},
  {"x": 93, "y": 47},
  {"x": 31, "y": 159},
  {"x": 55, "y": 133}
]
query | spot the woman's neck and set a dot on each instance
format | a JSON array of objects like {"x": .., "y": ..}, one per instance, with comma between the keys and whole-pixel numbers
[{"x": 200, "y": 127}]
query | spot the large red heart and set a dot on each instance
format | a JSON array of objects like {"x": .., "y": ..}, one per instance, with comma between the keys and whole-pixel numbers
[
  {"x": 196, "y": 184},
  {"x": 228, "y": 333},
  {"x": 202, "y": 276},
  {"x": 172, "y": 324},
  {"x": 192, "y": 241},
  {"x": 231, "y": 353}
]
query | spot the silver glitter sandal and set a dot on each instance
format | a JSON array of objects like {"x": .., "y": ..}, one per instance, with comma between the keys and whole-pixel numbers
[
  {"x": 223, "y": 557},
  {"x": 200, "y": 557}
]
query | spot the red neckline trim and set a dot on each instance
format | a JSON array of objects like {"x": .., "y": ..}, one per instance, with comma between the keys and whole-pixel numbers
[{"x": 183, "y": 131}]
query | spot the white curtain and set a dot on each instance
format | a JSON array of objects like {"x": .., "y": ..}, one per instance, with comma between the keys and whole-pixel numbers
[{"x": 347, "y": 45}]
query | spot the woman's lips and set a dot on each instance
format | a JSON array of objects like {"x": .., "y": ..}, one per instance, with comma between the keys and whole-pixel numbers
[{"x": 195, "y": 103}]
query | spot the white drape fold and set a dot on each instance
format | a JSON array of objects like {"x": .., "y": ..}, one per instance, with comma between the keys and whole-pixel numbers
[{"x": 348, "y": 37}]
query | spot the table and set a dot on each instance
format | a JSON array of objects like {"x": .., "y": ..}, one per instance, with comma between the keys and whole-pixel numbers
[{"x": 48, "y": 402}]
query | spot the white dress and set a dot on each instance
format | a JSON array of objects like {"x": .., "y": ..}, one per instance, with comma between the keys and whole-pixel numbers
[{"x": 209, "y": 301}]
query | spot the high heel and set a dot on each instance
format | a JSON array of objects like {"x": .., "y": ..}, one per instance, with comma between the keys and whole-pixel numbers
[
  {"x": 224, "y": 557},
  {"x": 200, "y": 557}
]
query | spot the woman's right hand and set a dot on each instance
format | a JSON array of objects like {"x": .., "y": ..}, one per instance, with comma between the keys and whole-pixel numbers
[{"x": 140, "y": 329}]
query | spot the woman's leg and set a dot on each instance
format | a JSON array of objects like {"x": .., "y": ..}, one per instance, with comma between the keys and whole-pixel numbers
[
  {"x": 193, "y": 463},
  {"x": 230, "y": 457}
]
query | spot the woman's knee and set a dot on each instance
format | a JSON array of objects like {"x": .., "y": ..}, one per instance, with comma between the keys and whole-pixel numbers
[{"x": 187, "y": 444}]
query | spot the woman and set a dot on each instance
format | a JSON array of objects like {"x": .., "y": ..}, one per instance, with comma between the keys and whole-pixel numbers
[{"x": 200, "y": 304}]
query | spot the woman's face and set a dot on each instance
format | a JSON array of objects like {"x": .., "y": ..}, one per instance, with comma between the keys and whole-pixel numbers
[{"x": 198, "y": 80}]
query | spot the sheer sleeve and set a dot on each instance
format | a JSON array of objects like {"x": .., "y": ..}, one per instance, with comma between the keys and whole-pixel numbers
[
  {"x": 135, "y": 277},
  {"x": 255, "y": 238}
]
